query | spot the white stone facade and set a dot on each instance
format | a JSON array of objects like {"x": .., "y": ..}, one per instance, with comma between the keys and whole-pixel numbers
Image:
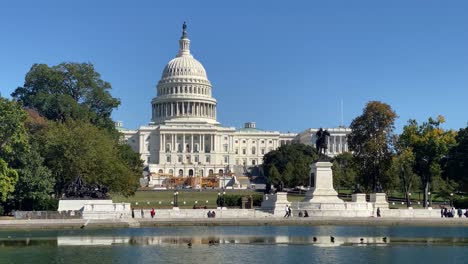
[{"x": 184, "y": 137}]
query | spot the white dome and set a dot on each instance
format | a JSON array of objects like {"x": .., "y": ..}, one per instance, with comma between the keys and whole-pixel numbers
[{"x": 184, "y": 66}]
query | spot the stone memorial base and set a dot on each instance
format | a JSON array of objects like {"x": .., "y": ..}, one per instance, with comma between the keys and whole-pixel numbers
[
  {"x": 322, "y": 196},
  {"x": 77, "y": 205},
  {"x": 379, "y": 200},
  {"x": 275, "y": 203}
]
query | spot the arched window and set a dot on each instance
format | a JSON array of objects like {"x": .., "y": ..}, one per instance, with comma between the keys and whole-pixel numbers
[
  {"x": 220, "y": 172},
  {"x": 171, "y": 172},
  {"x": 210, "y": 172},
  {"x": 160, "y": 171},
  {"x": 181, "y": 172},
  {"x": 190, "y": 172},
  {"x": 179, "y": 148}
]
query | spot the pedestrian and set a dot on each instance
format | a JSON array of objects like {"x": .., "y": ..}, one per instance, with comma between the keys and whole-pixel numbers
[
  {"x": 142, "y": 214},
  {"x": 306, "y": 214},
  {"x": 300, "y": 214},
  {"x": 445, "y": 212},
  {"x": 378, "y": 212},
  {"x": 213, "y": 214},
  {"x": 287, "y": 211},
  {"x": 460, "y": 212},
  {"x": 441, "y": 212},
  {"x": 152, "y": 213},
  {"x": 209, "y": 214},
  {"x": 133, "y": 213}
]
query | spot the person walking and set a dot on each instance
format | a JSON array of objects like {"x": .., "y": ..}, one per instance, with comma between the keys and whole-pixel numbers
[
  {"x": 152, "y": 213},
  {"x": 133, "y": 213},
  {"x": 142, "y": 214},
  {"x": 287, "y": 211}
]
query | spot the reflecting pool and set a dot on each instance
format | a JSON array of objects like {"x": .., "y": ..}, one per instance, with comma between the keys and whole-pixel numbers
[{"x": 260, "y": 244}]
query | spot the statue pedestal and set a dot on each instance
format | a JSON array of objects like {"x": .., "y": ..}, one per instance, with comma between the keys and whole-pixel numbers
[
  {"x": 322, "y": 195},
  {"x": 379, "y": 200},
  {"x": 276, "y": 203}
]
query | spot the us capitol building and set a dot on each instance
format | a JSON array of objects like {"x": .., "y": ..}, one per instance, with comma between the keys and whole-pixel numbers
[{"x": 184, "y": 138}]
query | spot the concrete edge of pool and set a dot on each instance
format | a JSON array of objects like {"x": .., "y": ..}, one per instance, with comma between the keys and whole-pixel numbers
[{"x": 160, "y": 222}]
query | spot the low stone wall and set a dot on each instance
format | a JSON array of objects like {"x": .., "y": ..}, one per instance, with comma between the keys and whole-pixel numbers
[
  {"x": 411, "y": 213},
  {"x": 203, "y": 213},
  {"x": 97, "y": 210},
  {"x": 24, "y": 215}
]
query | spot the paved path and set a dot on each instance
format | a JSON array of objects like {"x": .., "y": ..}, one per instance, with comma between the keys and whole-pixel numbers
[{"x": 158, "y": 222}]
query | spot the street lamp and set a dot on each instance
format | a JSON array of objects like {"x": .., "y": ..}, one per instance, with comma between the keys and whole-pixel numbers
[
  {"x": 430, "y": 198},
  {"x": 224, "y": 201},
  {"x": 409, "y": 199},
  {"x": 176, "y": 199},
  {"x": 451, "y": 199}
]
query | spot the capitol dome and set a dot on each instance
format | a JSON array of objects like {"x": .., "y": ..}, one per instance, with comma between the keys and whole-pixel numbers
[{"x": 184, "y": 91}]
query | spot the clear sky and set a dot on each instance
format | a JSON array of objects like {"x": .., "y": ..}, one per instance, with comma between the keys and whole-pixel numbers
[{"x": 284, "y": 64}]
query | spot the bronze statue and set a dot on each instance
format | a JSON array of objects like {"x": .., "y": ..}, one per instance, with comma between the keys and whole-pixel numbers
[{"x": 321, "y": 144}]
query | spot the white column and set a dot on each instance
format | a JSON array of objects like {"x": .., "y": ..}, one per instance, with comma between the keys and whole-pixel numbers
[
  {"x": 191, "y": 143},
  {"x": 183, "y": 144},
  {"x": 160, "y": 142},
  {"x": 202, "y": 143}
]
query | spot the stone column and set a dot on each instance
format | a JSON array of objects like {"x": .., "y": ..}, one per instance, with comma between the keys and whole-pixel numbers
[
  {"x": 183, "y": 144},
  {"x": 191, "y": 143}
]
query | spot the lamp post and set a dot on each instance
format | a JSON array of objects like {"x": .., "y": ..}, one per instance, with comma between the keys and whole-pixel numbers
[
  {"x": 409, "y": 199},
  {"x": 451, "y": 199},
  {"x": 430, "y": 199},
  {"x": 224, "y": 200},
  {"x": 176, "y": 199},
  {"x": 218, "y": 201}
]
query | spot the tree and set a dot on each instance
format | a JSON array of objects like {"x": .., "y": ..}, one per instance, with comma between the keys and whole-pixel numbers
[
  {"x": 402, "y": 169},
  {"x": 344, "y": 171},
  {"x": 68, "y": 91},
  {"x": 13, "y": 136},
  {"x": 35, "y": 182},
  {"x": 8, "y": 179},
  {"x": 299, "y": 156},
  {"x": 371, "y": 142},
  {"x": 274, "y": 175},
  {"x": 430, "y": 145},
  {"x": 457, "y": 162},
  {"x": 76, "y": 148}
]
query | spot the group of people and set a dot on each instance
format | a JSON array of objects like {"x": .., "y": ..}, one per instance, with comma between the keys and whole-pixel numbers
[
  {"x": 449, "y": 213},
  {"x": 152, "y": 213},
  {"x": 211, "y": 214},
  {"x": 289, "y": 212}
]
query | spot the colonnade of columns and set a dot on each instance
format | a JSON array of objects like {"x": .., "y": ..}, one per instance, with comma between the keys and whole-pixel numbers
[
  {"x": 337, "y": 144},
  {"x": 199, "y": 90},
  {"x": 187, "y": 143},
  {"x": 176, "y": 109}
]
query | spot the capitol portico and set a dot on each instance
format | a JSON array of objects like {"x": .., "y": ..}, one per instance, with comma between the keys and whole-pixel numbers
[{"x": 184, "y": 137}]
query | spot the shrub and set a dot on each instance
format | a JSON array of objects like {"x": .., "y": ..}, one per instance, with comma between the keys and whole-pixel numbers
[{"x": 461, "y": 203}]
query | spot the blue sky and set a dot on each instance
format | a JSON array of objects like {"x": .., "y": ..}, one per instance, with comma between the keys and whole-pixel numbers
[{"x": 284, "y": 64}]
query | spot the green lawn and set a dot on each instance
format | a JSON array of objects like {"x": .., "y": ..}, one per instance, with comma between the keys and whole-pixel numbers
[{"x": 163, "y": 199}]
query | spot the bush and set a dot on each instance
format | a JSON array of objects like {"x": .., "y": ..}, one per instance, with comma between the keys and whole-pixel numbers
[
  {"x": 460, "y": 203},
  {"x": 235, "y": 200}
]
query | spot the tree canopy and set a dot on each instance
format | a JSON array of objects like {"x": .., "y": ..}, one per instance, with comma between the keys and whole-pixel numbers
[
  {"x": 371, "y": 143},
  {"x": 289, "y": 164},
  {"x": 68, "y": 91},
  {"x": 457, "y": 164}
]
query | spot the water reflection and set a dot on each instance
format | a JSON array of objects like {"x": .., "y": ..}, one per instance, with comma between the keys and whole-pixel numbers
[{"x": 211, "y": 240}]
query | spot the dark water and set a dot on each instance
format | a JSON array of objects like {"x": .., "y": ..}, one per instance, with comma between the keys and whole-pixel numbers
[{"x": 265, "y": 244}]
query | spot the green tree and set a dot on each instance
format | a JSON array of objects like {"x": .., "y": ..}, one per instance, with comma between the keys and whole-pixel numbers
[
  {"x": 68, "y": 91},
  {"x": 300, "y": 157},
  {"x": 274, "y": 175},
  {"x": 13, "y": 135},
  {"x": 430, "y": 145},
  {"x": 344, "y": 171},
  {"x": 371, "y": 143},
  {"x": 8, "y": 179},
  {"x": 35, "y": 182},
  {"x": 402, "y": 169},
  {"x": 457, "y": 162},
  {"x": 77, "y": 148}
]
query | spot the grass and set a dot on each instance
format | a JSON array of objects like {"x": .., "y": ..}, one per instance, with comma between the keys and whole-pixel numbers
[{"x": 163, "y": 199}]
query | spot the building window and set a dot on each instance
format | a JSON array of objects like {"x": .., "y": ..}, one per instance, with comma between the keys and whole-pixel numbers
[
  {"x": 237, "y": 141},
  {"x": 171, "y": 172},
  {"x": 220, "y": 172},
  {"x": 263, "y": 151},
  {"x": 270, "y": 142},
  {"x": 148, "y": 160},
  {"x": 210, "y": 172},
  {"x": 225, "y": 138},
  {"x": 243, "y": 141},
  {"x": 207, "y": 159},
  {"x": 253, "y": 141},
  {"x": 179, "y": 159},
  {"x": 254, "y": 162},
  {"x": 168, "y": 158},
  {"x": 225, "y": 147},
  {"x": 181, "y": 173},
  {"x": 244, "y": 151},
  {"x": 237, "y": 151},
  {"x": 263, "y": 141},
  {"x": 168, "y": 147},
  {"x": 196, "y": 159},
  {"x": 226, "y": 159},
  {"x": 253, "y": 150}
]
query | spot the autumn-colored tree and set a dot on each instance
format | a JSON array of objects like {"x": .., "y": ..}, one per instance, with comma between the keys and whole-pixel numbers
[
  {"x": 430, "y": 144},
  {"x": 370, "y": 141}
]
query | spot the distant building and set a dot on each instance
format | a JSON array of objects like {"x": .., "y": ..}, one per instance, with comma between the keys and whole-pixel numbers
[{"x": 184, "y": 137}]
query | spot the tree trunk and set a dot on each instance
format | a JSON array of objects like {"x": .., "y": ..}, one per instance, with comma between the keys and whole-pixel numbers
[{"x": 408, "y": 202}]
